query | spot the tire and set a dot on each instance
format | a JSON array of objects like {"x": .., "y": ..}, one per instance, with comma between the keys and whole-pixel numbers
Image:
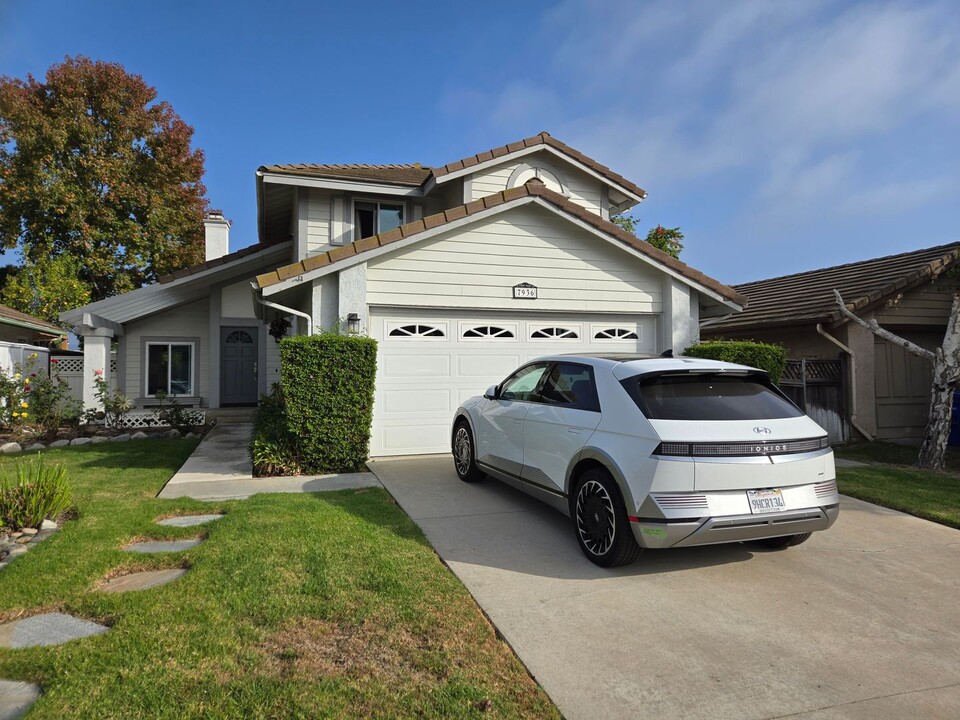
[
  {"x": 785, "y": 541},
  {"x": 464, "y": 455},
  {"x": 600, "y": 521}
]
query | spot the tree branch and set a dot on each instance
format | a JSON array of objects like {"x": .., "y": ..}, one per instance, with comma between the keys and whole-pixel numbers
[{"x": 874, "y": 327}]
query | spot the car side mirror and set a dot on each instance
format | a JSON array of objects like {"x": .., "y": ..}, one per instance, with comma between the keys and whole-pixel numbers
[{"x": 491, "y": 393}]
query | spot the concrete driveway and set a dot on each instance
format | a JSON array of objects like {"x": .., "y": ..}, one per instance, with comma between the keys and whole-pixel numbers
[{"x": 863, "y": 621}]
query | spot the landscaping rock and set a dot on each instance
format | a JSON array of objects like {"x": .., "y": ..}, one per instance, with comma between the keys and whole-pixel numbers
[
  {"x": 189, "y": 520},
  {"x": 16, "y": 698},
  {"x": 48, "y": 525},
  {"x": 173, "y": 434},
  {"x": 143, "y": 580},
  {"x": 24, "y": 539},
  {"x": 191, "y": 435},
  {"x": 29, "y": 531},
  {"x": 123, "y": 437},
  {"x": 15, "y": 551},
  {"x": 99, "y": 439},
  {"x": 41, "y": 536},
  {"x": 161, "y": 546},
  {"x": 47, "y": 629},
  {"x": 36, "y": 446},
  {"x": 80, "y": 441},
  {"x": 139, "y": 436},
  {"x": 59, "y": 443},
  {"x": 10, "y": 447}
]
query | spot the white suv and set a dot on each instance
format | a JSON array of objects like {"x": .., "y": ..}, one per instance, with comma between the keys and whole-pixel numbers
[{"x": 653, "y": 452}]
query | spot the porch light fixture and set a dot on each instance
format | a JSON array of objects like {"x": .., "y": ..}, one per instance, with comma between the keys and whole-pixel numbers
[{"x": 353, "y": 323}]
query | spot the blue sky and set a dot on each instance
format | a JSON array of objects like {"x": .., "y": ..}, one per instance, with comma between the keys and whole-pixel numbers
[{"x": 780, "y": 136}]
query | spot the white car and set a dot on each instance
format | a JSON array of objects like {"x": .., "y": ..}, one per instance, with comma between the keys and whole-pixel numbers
[{"x": 653, "y": 452}]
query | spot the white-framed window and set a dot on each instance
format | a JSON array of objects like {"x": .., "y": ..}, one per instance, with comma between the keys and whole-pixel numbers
[
  {"x": 555, "y": 332},
  {"x": 169, "y": 368},
  {"x": 416, "y": 331},
  {"x": 488, "y": 331},
  {"x": 372, "y": 217},
  {"x": 603, "y": 332}
]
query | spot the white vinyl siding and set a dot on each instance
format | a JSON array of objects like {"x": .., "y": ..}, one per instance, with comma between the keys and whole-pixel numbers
[
  {"x": 583, "y": 189},
  {"x": 186, "y": 321},
  {"x": 478, "y": 267},
  {"x": 318, "y": 222}
]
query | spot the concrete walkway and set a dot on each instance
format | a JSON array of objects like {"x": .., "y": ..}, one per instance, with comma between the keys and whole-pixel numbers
[
  {"x": 859, "y": 622},
  {"x": 220, "y": 469}
]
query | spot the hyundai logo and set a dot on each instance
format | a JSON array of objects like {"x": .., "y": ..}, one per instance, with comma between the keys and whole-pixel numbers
[{"x": 762, "y": 430}]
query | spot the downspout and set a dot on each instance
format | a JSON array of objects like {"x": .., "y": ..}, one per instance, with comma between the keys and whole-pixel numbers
[
  {"x": 282, "y": 308},
  {"x": 853, "y": 380}
]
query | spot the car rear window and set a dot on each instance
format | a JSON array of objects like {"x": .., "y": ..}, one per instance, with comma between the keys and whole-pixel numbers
[{"x": 690, "y": 396}]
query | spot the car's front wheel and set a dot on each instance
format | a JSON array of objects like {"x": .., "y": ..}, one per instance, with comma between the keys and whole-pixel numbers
[
  {"x": 785, "y": 541},
  {"x": 464, "y": 456},
  {"x": 600, "y": 521}
]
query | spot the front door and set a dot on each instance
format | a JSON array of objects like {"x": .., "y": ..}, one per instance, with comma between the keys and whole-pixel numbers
[{"x": 238, "y": 366}]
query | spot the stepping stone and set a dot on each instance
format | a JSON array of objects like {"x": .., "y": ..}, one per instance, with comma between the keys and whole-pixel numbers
[
  {"x": 162, "y": 546},
  {"x": 47, "y": 629},
  {"x": 189, "y": 520},
  {"x": 16, "y": 698},
  {"x": 143, "y": 580}
]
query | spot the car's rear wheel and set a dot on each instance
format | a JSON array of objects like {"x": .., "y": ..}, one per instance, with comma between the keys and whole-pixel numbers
[
  {"x": 464, "y": 456},
  {"x": 785, "y": 541},
  {"x": 600, "y": 521}
]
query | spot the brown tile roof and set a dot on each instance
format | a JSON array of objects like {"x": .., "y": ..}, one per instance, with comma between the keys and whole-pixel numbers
[
  {"x": 8, "y": 313},
  {"x": 533, "y": 188},
  {"x": 417, "y": 174},
  {"x": 543, "y": 138},
  {"x": 413, "y": 175},
  {"x": 223, "y": 260},
  {"x": 808, "y": 297}
]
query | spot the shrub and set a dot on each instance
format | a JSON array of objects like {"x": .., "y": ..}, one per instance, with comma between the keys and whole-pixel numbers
[
  {"x": 172, "y": 413},
  {"x": 772, "y": 358},
  {"x": 115, "y": 404},
  {"x": 37, "y": 492},
  {"x": 273, "y": 448},
  {"x": 327, "y": 382}
]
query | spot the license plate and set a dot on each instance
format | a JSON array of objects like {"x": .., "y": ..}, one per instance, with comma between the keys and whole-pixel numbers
[{"x": 766, "y": 501}]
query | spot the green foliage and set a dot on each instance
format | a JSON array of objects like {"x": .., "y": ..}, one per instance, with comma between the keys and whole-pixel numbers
[
  {"x": 95, "y": 169},
  {"x": 772, "y": 358},
  {"x": 115, "y": 403},
  {"x": 46, "y": 288},
  {"x": 172, "y": 413},
  {"x": 626, "y": 222},
  {"x": 36, "y": 492},
  {"x": 273, "y": 449},
  {"x": 670, "y": 240},
  {"x": 327, "y": 383},
  {"x": 33, "y": 399}
]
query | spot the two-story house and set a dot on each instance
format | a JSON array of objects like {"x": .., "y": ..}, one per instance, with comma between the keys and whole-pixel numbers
[{"x": 460, "y": 272}]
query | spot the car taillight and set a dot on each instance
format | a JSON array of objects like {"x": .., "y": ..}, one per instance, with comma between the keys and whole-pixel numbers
[{"x": 741, "y": 449}]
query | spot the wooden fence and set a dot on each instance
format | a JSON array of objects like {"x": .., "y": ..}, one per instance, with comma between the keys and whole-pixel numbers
[{"x": 819, "y": 387}]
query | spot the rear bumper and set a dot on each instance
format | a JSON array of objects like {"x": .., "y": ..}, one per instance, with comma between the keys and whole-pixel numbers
[{"x": 732, "y": 528}]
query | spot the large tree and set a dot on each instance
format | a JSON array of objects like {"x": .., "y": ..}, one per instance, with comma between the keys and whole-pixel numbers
[{"x": 94, "y": 169}]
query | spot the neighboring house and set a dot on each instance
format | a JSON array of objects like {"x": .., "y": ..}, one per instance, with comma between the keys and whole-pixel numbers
[
  {"x": 18, "y": 327},
  {"x": 909, "y": 294},
  {"x": 461, "y": 272}
]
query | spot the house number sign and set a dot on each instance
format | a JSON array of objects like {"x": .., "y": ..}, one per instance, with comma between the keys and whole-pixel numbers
[{"x": 524, "y": 291}]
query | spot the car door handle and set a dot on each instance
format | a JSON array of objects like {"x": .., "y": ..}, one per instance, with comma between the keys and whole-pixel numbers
[
  {"x": 575, "y": 431},
  {"x": 518, "y": 421}
]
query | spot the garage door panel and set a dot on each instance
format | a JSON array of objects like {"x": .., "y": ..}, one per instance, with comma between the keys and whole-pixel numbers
[
  {"x": 422, "y": 380},
  {"x": 413, "y": 364}
]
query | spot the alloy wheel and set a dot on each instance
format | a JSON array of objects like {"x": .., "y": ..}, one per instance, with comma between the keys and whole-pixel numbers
[
  {"x": 596, "y": 521},
  {"x": 462, "y": 455}
]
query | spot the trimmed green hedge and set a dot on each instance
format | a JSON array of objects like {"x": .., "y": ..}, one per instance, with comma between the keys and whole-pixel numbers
[
  {"x": 772, "y": 358},
  {"x": 327, "y": 383}
]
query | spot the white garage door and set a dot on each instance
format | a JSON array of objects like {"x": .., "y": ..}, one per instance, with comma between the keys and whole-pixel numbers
[{"x": 431, "y": 361}]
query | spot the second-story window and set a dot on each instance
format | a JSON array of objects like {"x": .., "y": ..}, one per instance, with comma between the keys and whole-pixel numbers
[{"x": 372, "y": 218}]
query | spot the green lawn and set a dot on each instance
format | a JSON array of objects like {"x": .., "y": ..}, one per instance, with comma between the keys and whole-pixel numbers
[
  {"x": 894, "y": 483},
  {"x": 297, "y": 606}
]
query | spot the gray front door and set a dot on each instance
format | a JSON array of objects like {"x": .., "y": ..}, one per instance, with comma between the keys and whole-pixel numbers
[{"x": 238, "y": 371}]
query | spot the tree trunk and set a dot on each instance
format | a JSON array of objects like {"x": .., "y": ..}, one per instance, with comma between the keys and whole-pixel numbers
[{"x": 934, "y": 446}]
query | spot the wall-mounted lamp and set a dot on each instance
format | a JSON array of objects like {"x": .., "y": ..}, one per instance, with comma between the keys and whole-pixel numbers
[{"x": 353, "y": 323}]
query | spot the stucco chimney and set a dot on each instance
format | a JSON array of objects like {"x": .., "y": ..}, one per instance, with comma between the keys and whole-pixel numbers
[{"x": 216, "y": 234}]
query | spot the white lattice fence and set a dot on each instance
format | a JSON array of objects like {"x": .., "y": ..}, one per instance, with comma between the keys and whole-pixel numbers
[
  {"x": 144, "y": 419},
  {"x": 70, "y": 368}
]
